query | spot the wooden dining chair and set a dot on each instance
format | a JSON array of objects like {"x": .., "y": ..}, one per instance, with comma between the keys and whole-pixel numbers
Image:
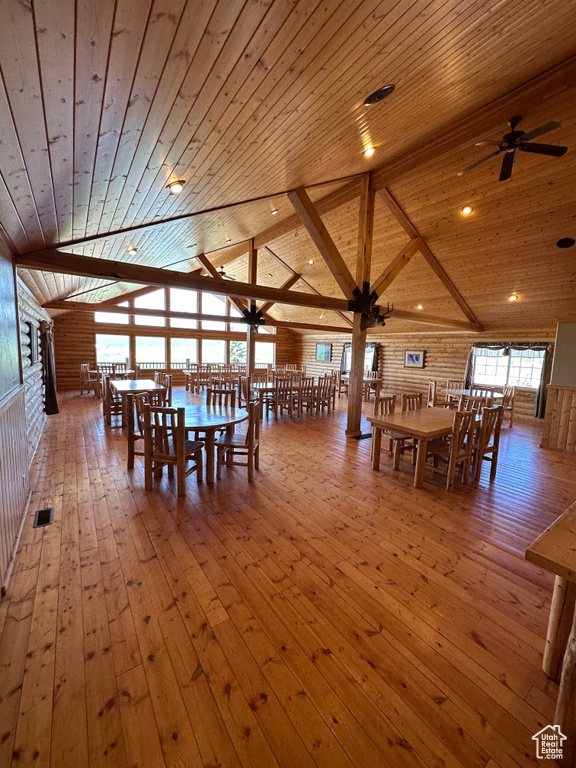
[
  {"x": 457, "y": 450},
  {"x": 306, "y": 396},
  {"x": 224, "y": 398},
  {"x": 472, "y": 403},
  {"x": 412, "y": 402},
  {"x": 398, "y": 444},
  {"x": 486, "y": 392},
  {"x": 342, "y": 383},
  {"x": 453, "y": 386},
  {"x": 486, "y": 442},
  {"x": 135, "y": 426},
  {"x": 244, "y": 393},
  {"x": 89, "y": 381},
  {"x": 432, "y": 400},
  {"x": 165, "y": 444},
  {"x": 231, "y": 446},
  {"x": 281, "y": 397},
  {"x": 323, "y": 394},
  {"x": 166, "y": 382},
  {"x": 508, "y": 404},
  {"x": 111, "y": 401}
]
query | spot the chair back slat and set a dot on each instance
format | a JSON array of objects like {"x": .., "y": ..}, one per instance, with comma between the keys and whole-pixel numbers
[
  {"x": 472, "y": 403},
  {"x": 432, "y": 401},
  {"x": 384, "y": 406},
  {"x": 463, "y": 427},
  {"x": 412, "y": 402},
  {"x": 224, "y": 398}
]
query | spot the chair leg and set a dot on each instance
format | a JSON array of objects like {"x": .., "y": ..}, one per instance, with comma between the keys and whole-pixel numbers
[
  {"x": 250, "y": 466},
  {"x": 199, "y": 468},
  {"x": 219, "y": 452},
  {"x": 148, "y": 473},
  {"x": 397, "y": 454}
]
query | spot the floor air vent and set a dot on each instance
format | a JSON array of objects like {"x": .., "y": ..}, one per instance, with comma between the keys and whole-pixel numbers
[{"x": 44, "y": 517}]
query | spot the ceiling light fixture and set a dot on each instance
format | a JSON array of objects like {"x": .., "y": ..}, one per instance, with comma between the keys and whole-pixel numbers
[
  {"x": 132, "y": 249},
  {"x": 566, "y": 242},
  {"x": 419, "y": 306},
  {"x": 310, "y": 261},
  {"x": 228, "y": 239},
  {"x": 467, "y": 210},
  {"x": 274, "y": 212},
  {"x": 378, "y": 95},
  {"x": 369, "y": 151},
  {"x": 270, "y": 274},
  {"x": 176, "y": 187},
  {"x": 513, "y": 297},
  {"x": 321, "y": 317}
]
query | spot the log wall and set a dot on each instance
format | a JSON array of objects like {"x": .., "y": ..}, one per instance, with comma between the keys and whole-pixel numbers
[
  {"x": 559, "y": 430},
  {"x": 75, "y": 343},
  {"x": 446, "y": 358}
]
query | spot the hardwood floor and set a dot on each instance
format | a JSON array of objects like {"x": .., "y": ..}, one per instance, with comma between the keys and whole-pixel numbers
[{"x": 326, "y": 615}]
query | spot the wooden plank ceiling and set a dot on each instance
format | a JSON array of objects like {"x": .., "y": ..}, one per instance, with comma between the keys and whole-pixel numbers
[{"x": 103, "y": 103}]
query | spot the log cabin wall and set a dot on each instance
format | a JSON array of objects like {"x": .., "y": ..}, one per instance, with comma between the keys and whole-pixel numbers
[
  {"x": 75, "y": 343},
  {"x": 31, "y": 315},
  {"x": 446, "y": 357}
]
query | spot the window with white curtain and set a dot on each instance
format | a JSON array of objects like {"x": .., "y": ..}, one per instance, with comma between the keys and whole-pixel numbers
[{"x": 507, "y": 367}]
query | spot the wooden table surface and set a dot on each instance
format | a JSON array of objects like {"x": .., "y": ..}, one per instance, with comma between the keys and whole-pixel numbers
[
  {"x": 207, "y": 419},
  {"x": 423, "y": 424},
  {"x": 134, "y": 387},
  {"x": 555, "y": 549}
]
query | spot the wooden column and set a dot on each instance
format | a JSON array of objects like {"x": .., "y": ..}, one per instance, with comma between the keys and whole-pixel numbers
[
  {"x": 363, "y": 262},
  {"x": 559, "y": 625},
  {"x": 250, "y": 331},
  {"x": 566, "y": 704}
]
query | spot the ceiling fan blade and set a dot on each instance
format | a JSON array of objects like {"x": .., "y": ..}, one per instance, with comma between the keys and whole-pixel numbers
[
  {"x": 541, "y": 130},
  {"x": 479, "y": 162},
  {"x": 543, "y": 149},
  {"x": 507, "y": 163},
  {"x": 487, "y": 143}
]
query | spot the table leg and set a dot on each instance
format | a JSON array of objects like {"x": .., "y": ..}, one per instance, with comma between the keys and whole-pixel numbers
[
  {"x": 376, "y": 446},
  {"x": 210, "y": 444},
  {"x": 566, "y": 706},
  {"x": 420, "y": 462},
  {"x": 559, "y": 624},
  {"x": 124, "y": 409},
  {"x": 261, "y": 395}
]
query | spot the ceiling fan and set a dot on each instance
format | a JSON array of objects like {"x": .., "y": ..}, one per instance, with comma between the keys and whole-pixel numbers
[
  {"x": 224, "y": 275},
  {"x": 517, "y": 139}
]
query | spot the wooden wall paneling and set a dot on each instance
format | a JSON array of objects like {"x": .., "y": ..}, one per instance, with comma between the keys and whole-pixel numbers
[
  {"x": 446, "y": 357},
  {"x": 559, "y": 429},
  {"x": 13, "y": 477}
]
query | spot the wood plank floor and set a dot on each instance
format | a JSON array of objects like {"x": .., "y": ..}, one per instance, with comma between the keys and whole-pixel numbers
[{"x": 326, "y": 615}]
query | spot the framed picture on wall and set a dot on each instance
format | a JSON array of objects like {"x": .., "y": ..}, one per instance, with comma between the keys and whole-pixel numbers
[
  {"x": 414, "y": 358},
  {"x": 324, "y": 352}
]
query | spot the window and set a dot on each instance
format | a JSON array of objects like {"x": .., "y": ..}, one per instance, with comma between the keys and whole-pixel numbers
[
  {"x": 213, "y": 305},
  {"x": 111, "y": 348},
  {"x": 182, "y": 300},
  {"x": 236, "y": 327},
  {"x": 154, "y": 300},
  {"x": 182, "y": 350},
  {"x": 265, "y": 353},
  {"x": 213, "y": 351},
  {"x": 112, "y": 317},
  {"x": 238, "y": 352},
  {"x": 371, "y": 350},
  {"x": 513, "y": 367},
  {"x": 150, "y": 351}
]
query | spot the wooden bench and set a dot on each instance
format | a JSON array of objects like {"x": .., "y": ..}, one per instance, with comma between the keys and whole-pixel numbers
[{"x": 555, "y": 550}]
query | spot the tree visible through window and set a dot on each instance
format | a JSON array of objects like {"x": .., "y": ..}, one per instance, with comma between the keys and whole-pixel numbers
[{"x": 507, "y": 367}]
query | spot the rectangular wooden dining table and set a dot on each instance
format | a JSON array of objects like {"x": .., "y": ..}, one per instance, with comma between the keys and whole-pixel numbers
[
  {"x": 423, "y": 424},
  {"x": 133, "y": 387}
]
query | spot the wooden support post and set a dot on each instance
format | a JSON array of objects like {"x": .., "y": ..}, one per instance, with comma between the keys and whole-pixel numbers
[
  {"x": 250, "y": 330},
  {"x": 559, "y": 624},
  {"x": 363, "y": 262}
]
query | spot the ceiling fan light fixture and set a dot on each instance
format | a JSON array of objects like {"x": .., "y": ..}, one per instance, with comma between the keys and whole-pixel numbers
[
  {"x": 176, "y": 187},
  {"x": 467, "y": 210},
  {"x": 513, "y": 297},
  {"x": 379, "y": 95},
  {"x": 566, "y": 242}
]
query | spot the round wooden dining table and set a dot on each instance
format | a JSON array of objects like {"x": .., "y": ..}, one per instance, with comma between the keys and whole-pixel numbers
[{"x": 208, "y": 419}]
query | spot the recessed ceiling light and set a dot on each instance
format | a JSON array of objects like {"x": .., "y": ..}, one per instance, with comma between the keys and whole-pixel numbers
[
  {"x": 513, "y": 297},
  {"x": 321, "y": 317},
  {"x": 467, "y": 210},
  {"x": 378, "y": 95},
  {"x": 310, "y": 261},
  {"x": 228, "y": 239},
  {"x": 419, "y": 306},
  {"x": 176, "y": 187},
  {"x": 369, "y": 151},
  {"x": 132, "y": 249},
  {"x": 270, "y": 274},
  {"x": 274, "y": 212},
  {"x": 566, "y": 242}
]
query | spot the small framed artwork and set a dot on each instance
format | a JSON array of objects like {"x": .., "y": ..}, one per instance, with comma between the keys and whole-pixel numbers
[
  {"x": 414, "y": 358},
  {"x": 324, "y": 352}
]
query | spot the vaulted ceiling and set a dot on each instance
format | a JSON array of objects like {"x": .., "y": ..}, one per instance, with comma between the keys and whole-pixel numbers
[{"x": 104, "y": 103}]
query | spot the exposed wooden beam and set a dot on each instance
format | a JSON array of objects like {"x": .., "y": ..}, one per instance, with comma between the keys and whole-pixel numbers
[
  {"x": 396, "y": 266},
  {"x": 72, "y": 264},
  {"x": 250, "y": 329},
  {"x": 213, "y": 272},
  {"x": 84, "y": 306},
  {"x": 412, "y": 232},
  {"x": 418, "y": 317},
  {"x": 363, "y": 264},
  {"x": 316, "y": 291},
  {"x": 284, "y": 287},
  {"x": 310, "y": 218},
  {"x": 308, "y": 326}
]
